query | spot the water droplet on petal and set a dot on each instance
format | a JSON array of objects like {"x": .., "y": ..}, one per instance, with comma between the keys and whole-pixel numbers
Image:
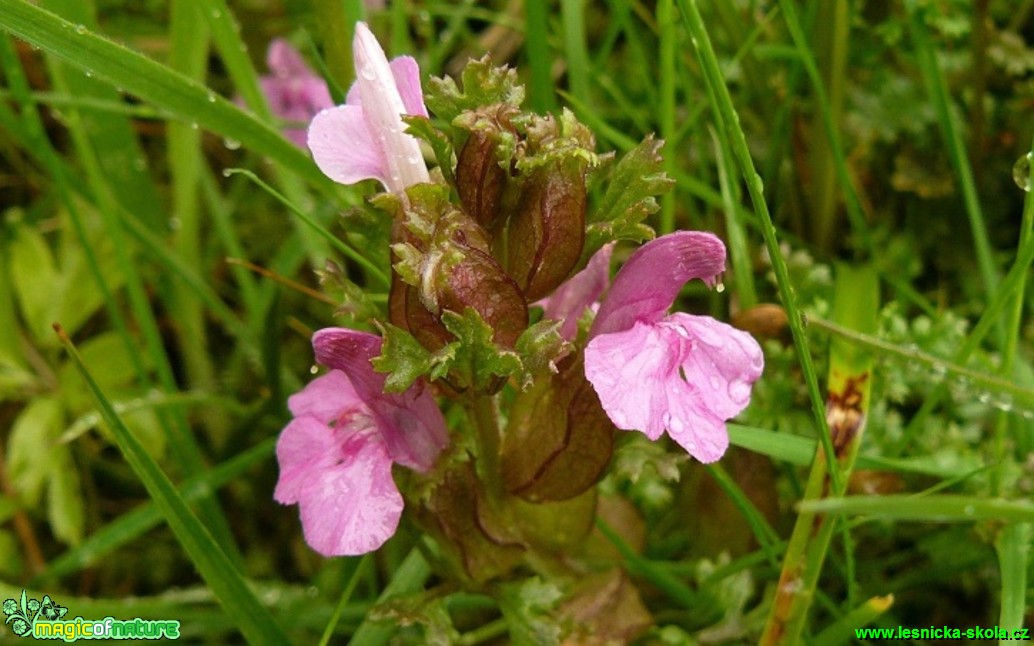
[
  {"x": 675, "y": 425},
  {"x": 715, "y": 382},
  {"x": 719, "y": 287},
  {"x": 1021, "y": 172},
  {"x": 739, "y": 390},
  {"x": 368, "y": 73}
]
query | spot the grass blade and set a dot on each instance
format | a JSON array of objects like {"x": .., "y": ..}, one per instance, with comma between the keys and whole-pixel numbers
[
  {"x": 152, "y": 82},
  {"x": 226, "y": 582}
]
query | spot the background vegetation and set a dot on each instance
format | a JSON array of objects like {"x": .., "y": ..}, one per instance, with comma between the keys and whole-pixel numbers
[{"x": 168, "y": 232}]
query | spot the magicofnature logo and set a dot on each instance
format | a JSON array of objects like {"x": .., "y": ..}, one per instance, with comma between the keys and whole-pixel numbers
[{"x": 45, "y": 620}]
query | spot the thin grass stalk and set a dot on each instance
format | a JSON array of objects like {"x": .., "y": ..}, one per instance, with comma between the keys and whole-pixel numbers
[
  {"x": 188, "y": 55},
  {"x": 542, "y": 93},
  {"x": 730, "y": 121},
  {"x": 946, "y": 118},
  {"x": 1012, "y": 544},
  {"x": 829, "y": 114},
  {"x": 855, "y": 305},
  {"x": 667, "y": 37},
  {"x": 215, "y": 567}
]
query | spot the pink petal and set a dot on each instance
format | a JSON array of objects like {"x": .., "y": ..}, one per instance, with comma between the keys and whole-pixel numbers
[
  {"x": 410, "y": 423},
  {"x": 629, "y": 370},
  {"x": 722, "y": 360},
  {"x": 351, "y": 351},
  {"x": 569, "y": 301},
  {"x": 344, "y": 148},
  {"x": 325, "y": 398},
  {"x": 285, "y": 61},
  {"x": 412, "y": 426},
  {"x": 648, "y": 283},
  {"x": 341, "y": 480},
  {"x": 685, "y": 374},
  {"x": 407, "y": 79},
  {"x": 382, "y": 108}
]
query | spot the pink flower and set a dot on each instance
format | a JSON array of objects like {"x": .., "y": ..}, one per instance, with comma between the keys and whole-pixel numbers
[
  {"x": 655, "y": 371},
  {"x": 295, "y": 93},
  {"x": 336, "y": 454},
  {"x": 366, "y": 138},
  {"x": 578, "y": 293}
]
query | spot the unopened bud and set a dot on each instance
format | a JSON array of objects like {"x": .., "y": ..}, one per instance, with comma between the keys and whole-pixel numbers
[
  {"x": 547, "y": 229},
  {"x": 482, "y": 166}
]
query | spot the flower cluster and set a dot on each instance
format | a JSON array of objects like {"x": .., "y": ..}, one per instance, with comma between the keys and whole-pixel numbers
[{"x": 498, "y": 228}]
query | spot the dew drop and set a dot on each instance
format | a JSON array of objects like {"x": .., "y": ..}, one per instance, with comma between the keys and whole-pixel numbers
[
  {"x": 314, "y": 369},
  {"x": 719, "y": 287},
  {"x": 1021, "y": 172},
  {"x": 193, "y": 125},
  {"x": 211, "y": 97},
  {"x": 739, "y": 391},
  {"x": 368, "y": 73},
  {"x": 231, "y": 144},
  {"x": 969, "y": 510},
  {"x": 715, "y": 382},
  {"x": 80, "y": 29}
]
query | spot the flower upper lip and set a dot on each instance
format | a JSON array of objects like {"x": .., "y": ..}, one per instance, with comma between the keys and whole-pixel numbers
[{"x": 365, "y": 138}]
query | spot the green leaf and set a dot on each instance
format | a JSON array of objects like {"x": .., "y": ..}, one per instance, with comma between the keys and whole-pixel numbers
[
  {"x": 477, "y": 360},
  {"x": 111, "y": 363},
  {"x": 483, "y": 84},
  {"x": 152, "y": 82},
  {"x": 64, "y": 498},
  {"x": 226, "y": 582},
  {"x": 635, "y": 182},
  {"x": 402, "y": 358},
  {"x": 30, "y": 447},
  {"x": 36, "y": 280},
  {"x": 527, "y": 607},
  {"x": 423, "y": 129},
  {"x": 540, "y": 347}
]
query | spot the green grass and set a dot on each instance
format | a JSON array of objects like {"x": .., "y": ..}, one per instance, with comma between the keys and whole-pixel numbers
[{"x": 137, "y": 472}]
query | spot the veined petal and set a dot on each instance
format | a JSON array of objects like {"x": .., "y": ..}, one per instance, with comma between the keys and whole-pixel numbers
[
  {"x": 341, "y": 481},
  {"x": 722, "y": 361},
  {"x": 382, "y": 108},
  {"x": 407, "y": 79},
  {"x": 569, "y": 301},
  {"x": 629, "y": 370},
  {"x": 294, "y": 92},
  {"x": 344, "y": 148},
  {"x": 285, "y": 61},
  {"x": 648, "y": 283},
  {"x": 325, "y": 398},
  {"x": 410, "y": 423},
  {"x": 351, "y": 351},
  {"x": 685, "y": 374}
]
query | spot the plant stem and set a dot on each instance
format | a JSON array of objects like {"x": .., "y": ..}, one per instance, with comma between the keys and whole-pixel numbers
[{"x": 485, "y": 417}]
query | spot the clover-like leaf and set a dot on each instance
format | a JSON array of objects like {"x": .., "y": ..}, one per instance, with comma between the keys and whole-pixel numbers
[
  {"x": 477, "y": 360},
  {"x": 540, "y": 347},
  {"x": 483, "y": 84},
  {"x": 635, "y": 182},
  {"x": 402, "y": 358}
]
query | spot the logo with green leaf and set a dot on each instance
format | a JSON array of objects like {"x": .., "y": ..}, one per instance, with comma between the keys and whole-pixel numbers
[{"x": 23, "y": 614}]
